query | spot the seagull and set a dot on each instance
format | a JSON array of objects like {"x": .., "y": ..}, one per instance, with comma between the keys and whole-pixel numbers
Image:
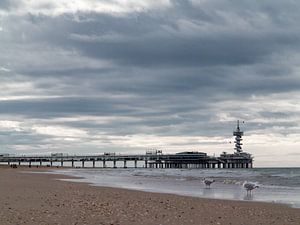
[
  {"x": 249, "y": 186},
  {"x": 208, "y": 182}
]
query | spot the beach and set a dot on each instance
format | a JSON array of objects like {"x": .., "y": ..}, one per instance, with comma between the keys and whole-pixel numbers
[{"x": 33, "y": 198}]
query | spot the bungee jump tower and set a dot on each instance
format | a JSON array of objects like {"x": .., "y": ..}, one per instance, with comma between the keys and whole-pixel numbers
[{"x": 238, "y": 159}]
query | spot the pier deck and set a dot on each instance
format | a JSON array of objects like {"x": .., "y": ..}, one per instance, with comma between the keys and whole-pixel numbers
[{"x": 179, "y": 160}]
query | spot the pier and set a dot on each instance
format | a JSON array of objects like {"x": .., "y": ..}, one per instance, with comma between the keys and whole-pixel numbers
[
  {"x": 186, "y": 160},
  {"x": 152, "y": 159}
]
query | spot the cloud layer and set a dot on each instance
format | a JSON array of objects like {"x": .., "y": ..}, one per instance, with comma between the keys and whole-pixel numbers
[{"x": 120, "y": 75}]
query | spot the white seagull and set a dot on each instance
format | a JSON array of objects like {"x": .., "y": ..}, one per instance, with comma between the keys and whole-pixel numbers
[
  {"x": 249, "y": 186},
  {"x": 208, "y": 182}
]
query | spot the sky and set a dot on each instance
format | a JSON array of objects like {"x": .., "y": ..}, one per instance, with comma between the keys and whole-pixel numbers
[{"x": 125, "y": 76}]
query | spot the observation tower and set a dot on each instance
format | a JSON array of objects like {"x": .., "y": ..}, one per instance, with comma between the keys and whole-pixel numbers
[{"x": 238, "y": 138}]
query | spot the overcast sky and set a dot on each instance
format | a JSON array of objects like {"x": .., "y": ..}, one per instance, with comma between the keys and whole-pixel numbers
[{"x": 93, "y": 76}]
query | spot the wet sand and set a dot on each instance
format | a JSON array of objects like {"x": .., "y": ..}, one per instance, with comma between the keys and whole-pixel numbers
[{"x": 42, "y": 199}]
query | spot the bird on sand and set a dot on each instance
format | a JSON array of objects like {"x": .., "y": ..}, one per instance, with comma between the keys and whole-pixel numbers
[
  {"x": 249, "y": 186},
  {"x": 208, "y": 182}
]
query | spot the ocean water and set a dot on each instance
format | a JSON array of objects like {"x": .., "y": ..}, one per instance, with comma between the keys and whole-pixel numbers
[{"x": 278, "y": 185}]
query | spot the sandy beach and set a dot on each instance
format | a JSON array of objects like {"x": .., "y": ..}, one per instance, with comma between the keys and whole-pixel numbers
[{"x": 42, "y": 199}]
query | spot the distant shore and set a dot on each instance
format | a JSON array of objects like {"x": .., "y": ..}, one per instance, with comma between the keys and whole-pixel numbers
[{"x": 42, "y": 199}]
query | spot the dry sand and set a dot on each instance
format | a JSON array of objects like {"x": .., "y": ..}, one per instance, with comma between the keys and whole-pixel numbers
[{"x": 41, "y": 199}]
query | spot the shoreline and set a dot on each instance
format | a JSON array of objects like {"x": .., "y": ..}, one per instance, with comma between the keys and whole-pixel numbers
[
  {"x": 76, "y": 180},
  {"x": 187, "y": 184},
  {"x": 57, "y": 202},
  {"x": 72, "y": 180}
]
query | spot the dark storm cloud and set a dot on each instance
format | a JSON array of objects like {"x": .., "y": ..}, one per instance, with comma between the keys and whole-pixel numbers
[
  {"x": 160, "y": 38},
  {"x": 183, "y": 35},
  {"x": 21, "y": 138},
  {"x": 188, "y": 69},
  {"x": 196, "y": 39},
  {"x": 97, "y": 106},
  {"x": 7, "y": 4},
  {"x": 149, "y": 41},
  {"x": 63, "y": 106},
  {"x": 184, "y": 84}
]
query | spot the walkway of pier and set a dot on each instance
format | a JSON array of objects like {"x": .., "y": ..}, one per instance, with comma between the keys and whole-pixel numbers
[{"x": 186, "y": 160}]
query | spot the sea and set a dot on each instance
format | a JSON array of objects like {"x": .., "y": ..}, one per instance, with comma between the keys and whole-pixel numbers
[{"x": 276, "y": 185}]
